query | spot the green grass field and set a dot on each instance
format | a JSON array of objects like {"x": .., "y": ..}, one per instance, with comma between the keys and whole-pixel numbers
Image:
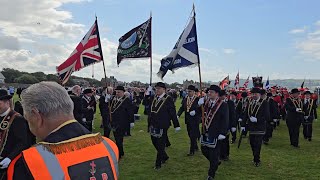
[{"x": 279, "y": 159}]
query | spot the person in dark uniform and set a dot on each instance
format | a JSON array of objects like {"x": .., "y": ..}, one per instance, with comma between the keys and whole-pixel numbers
[
  {"x": 257, "y": 113},
  {"x": 309, "y": 106},
  {"x": 104, "y": 103},
  {"x": 294, "y": 117},
  {"x": 15, "y": 135},
  {"x": 241, "y": 109},
  {"x": 192, "y": 117},
  {"x": 77, "y": 102},
  {"x": 162, "y": 111},
  {"x": 214, "y": 128},
  {"x": 121, "y": 115},
  {"x": 232, "y": 122},
  {"x": 87, "y": 108}
]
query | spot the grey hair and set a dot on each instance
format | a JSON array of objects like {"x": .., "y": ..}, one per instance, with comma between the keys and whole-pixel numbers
[
  {"x": 49, "y": 98},
  {"x": 73, "y": 89}
]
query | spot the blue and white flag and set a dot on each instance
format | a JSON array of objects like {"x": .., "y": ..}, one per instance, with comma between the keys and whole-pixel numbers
[
  {"x": 268, "y": 84},
  {"x": 185, "y": 52}
]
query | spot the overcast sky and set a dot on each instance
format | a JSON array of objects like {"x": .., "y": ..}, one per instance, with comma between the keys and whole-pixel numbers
[{"x": 279, "y": 39}]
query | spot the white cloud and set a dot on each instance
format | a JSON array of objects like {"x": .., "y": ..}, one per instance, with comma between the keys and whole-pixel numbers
[
  {"x": 298, "y": 30},
  {"x": 9, "y": 42},
  {"x": 310, "y": 44},
  {"x": 228, "y": 51}
]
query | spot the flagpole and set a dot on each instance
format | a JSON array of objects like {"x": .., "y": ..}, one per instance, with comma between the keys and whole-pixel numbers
[{"x": 151, "y": 49}]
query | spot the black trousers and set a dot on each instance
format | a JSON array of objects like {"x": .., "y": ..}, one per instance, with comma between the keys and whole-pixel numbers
[
  {"x": 106, "y": 126},
  {"x": 88, "y": 125},
  {"x": 166, "y": 140},
  {"x": 159, "y": 144},
  {"x": 212, "y": 154},
  {"x": 255, "y": 143},
  {"x": 118, "y": 136},
  {"x": 269, "y": 131},
  {"x": 294, "y": 130},
  {"x": 234, "y": 136},
  {"x": 3, "y": 174},
  {"x": 307, "y": 130},
  {"x": 194, "y": 134},
  {"x": 225, "y": 148}
]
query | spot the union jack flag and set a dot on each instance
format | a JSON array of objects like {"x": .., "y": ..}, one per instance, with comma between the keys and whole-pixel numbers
[
  {"x": 87, "y": 52},
  {"x": 225, "y": 82},
  {"x": 245, "y": 85},
  {"x": 236, "y": 82}
]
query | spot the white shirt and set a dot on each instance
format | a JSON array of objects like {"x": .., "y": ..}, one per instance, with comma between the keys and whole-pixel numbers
[
  {"x": 5, "y": 113},
  {"x": 161, "y": 96}
]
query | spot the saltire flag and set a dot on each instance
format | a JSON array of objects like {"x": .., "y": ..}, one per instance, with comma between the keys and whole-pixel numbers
[
  {"x": 302, "y": 85},
  {"x": 246, "y": 83},
  {"x": 136, "y": 43},
  {"x": 236, "y": 82},
  {"x": 185, "y": 52},
  {"x": 257, "y": 81},
  {"x": 268, "y": 84},
  {"x": 87, "y": 52},
  {"x": 225, "y": 82}
]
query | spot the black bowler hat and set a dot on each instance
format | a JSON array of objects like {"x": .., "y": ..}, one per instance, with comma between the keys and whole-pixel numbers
[
  {"x": 87, "y": 91},
  {"x": 161, "y": 84},
  {"x": 223, "y": 93},
  {"x": 215, "y": 88},
  {"x": 234, "y": 93},
  {"x": 244, "y": 94},
  {"x": 255, "y": 90},
  {"x": 4, "y": 95},
  {"x": 307, "y": 92},
  {"x": 120, "y": 88},
  {"x": 196, "y": 90},
  {"x": 192, "y": 88},
  {"x": 294, "y": 90},
  {"x": 263, "y": 91}
]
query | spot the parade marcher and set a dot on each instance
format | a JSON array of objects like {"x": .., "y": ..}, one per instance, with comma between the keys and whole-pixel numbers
[
  {"x": 121, "y": 116},
  {"x": 104, "y": 103},
  {"x": 214, "y": 127},
  {"x": 256, "y": 115},
  {"x": 66, "y": 150},
  {"x": 162, "y": 112},
  {"x": 88, "y": 108},
  {"x": 15, "y": 135},
  {"x": 234, "y": 123},
  {"x": 192, "y": 117},
  {"x": 309, "y": 106},
  {"x": 77, "y": 103},
  {"x": 241, "y": 109},
  {"x": 294, "y": 117}
]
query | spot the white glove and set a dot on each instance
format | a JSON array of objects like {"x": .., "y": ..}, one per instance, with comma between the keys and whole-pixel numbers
[
  {"x": 221, "y": 137},
  {"x": 131, "y": 125},
  {"x": 298, "y": 110},
  {"x": 306, "y": 117},
  {"x": 233, "y": 129},
  {"x": 177, "y": 129},
  {"x": 242, "y": 129},
  {"x": 192, "y": 113},
  {"x": 275, "y": 120},
  {"x": 253, "y": 119},
  {"x": 5, "y": 163},
  {"x": 84, "y": 120},
  {"x": 178, "y": 117},
  {"x": 108, "y": 97},
  {"x": 149, "y": 89},
  {"x": 240, "y": 120},
  {"x": 201, "y": 101}
]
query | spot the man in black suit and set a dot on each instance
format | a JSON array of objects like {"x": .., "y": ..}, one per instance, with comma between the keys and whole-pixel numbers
[
  {"x": 241, "y": 109},
  {"x": 15, "y": 135},
  {"x": 192, "y": 117},
  {"x": 309, "y": 106},
  {"x": 214, "y": 128},
  {"x": 274, "y": 115},
  {"x": 294, "y": 117},
  {"x": 162, "y": 111},
  {"x": 257, "y": 113},
  {"x": 233, "y": 122},
  {"x": 77, "y": 102},
  {"x": 88, "y": 108},
  {"x": 104, "y": 103},
  {"x": 121, "y": 116}
]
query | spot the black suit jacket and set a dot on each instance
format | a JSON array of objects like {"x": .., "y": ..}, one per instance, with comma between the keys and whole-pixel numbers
[
  {"x": 87, "y": 113},
  {"x": 194, "y": 120},
  {"x": 162, "y": 118},
  {"x": 232, "y": 114},
  {"x": 293, "y": 117},
  {"x": 220, "y": 121},
  {"x": 77, "y": 110},
  {"x": 309, "y": 109},
  {"x": 123, "y": 115}
]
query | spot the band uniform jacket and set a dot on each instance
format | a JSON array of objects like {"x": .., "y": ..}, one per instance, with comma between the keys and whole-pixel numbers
[
  {"x": 259, "y": 110},
  {"x": 192, "y": 120},
  {"x": 220, "y": 121},
  {"x": 308, "y": 109},
  {"x": 161, "y": 113},
  {"x": 294, "y": 117},
  {"x": 121, "y": 112},
  {"x": 241, "y": 107}
]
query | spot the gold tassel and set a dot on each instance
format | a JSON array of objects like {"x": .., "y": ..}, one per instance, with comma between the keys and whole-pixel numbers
[{"x": 72, "y": 144}]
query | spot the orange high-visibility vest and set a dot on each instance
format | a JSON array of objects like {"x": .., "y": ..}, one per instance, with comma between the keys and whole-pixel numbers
[{"x": 98, "y": 161}]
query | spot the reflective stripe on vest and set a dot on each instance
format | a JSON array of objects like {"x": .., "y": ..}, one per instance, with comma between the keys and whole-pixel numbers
[{"x": 113, "y": 156}]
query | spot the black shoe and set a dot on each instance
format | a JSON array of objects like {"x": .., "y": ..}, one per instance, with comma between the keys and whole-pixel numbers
[
  {"x": 157, "y": 167},
  {"x": 210, "y": 178},
  {"x": 190, "y": 154},
  {"x": 165, "y": 160},
  {"x": 168, "y": 145},
  {"x": 219, "y": 163},
  {"x": 309, "y": 139},
  {"x": 257, "y": 164},
  {"x": 225, "y": 159}
]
